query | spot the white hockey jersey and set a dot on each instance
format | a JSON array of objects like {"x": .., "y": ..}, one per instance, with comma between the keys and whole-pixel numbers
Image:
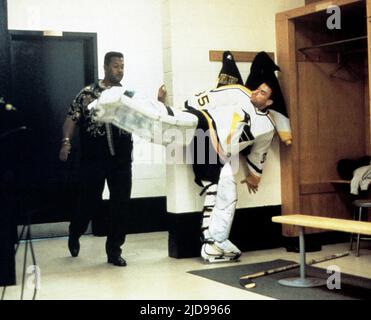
[{"x": 237, "y": 123}]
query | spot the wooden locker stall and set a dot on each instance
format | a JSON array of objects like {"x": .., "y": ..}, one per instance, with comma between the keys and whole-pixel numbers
[{"x": 325, "y": 80}]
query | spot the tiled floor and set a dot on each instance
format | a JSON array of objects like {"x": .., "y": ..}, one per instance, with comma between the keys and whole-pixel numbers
[{"x": 150, "y": 274}]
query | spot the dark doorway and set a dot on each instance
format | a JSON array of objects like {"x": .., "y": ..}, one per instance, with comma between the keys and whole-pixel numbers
[
  {"x": 7, "y": 197},
  {"x": 47, "y": 72}
]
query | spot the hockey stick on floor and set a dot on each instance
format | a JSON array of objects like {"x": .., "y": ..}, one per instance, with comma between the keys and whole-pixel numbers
[{"x": 247, "y": 283}]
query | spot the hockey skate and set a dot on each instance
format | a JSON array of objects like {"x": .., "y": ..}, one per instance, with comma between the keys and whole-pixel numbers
[{"x": 220, "y": 252}]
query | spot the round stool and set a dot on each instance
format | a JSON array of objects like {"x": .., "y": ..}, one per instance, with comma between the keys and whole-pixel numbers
[{"x": 360, "y": 204}]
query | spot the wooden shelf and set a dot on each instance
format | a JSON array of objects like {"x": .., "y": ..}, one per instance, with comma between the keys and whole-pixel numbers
[
  {"x": 335, "y": 44},
  {"x": 322, "y": 187},
  {"x": 340, "y": 181},
  {"x": 334, "y": 51},
  {"x": 316, "y": 188},
  {"x": 239, "y": 56}
]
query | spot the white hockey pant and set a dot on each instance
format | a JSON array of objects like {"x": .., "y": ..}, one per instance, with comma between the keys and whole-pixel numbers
[{"x": 218, "y": 213}]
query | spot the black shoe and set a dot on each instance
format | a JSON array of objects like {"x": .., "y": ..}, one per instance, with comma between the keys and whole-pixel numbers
[
  {"x": 74, "y": 246},
  {"x": 117, "y": 261}
]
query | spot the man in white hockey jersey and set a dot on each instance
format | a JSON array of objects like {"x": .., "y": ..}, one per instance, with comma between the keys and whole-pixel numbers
[
  {"x": 225, "y": 123},
  {"x": 234, "y": 120}
]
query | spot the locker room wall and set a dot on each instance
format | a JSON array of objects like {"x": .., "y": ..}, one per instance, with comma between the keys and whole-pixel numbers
[
  {"x": 167, "y": 41},
  {"x": 191, "y": 29}
]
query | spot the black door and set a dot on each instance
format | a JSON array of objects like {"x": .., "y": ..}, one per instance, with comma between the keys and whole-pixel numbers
[
  {"x": 47, "y": 73},
  {"x": 7, "y": 194}
]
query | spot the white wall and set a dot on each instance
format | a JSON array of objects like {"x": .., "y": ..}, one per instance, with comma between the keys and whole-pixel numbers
[
  {"x": 168, "y": 40},
  {"x": 191, "y": 29}
]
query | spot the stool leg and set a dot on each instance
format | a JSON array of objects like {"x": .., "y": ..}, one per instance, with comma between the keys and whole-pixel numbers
[
  {"x": 302, "y": 253},
  {"x": 303, "y": 281},
  {"x": 358, "y": 235},
  {"x": 352, "y": 234}
]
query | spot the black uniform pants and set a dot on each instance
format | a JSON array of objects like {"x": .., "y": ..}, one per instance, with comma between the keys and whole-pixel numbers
[{"x": 93, "y": 175}]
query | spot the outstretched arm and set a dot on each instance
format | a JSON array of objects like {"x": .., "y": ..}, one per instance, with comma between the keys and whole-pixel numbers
[{"x": 68, "y": 130}]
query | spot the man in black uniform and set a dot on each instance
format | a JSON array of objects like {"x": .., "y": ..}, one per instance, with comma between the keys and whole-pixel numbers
[{"x": 106, "y": 153}]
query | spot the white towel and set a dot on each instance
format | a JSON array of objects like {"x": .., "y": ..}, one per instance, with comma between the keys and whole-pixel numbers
[{"x": 361, "y": 179}]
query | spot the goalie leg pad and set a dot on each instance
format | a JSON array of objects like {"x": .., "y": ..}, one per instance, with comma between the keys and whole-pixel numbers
[
  {"x": 225, "y": 206},
  {"x": 209, "y": 205},
  {"x": 148, "y": 119}
]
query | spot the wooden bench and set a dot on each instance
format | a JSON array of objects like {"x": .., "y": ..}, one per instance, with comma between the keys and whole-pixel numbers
[{"x": 303, "y": 221}]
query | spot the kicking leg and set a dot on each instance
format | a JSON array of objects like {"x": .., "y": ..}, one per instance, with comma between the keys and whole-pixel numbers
[{"x": 151, "y": 120}]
